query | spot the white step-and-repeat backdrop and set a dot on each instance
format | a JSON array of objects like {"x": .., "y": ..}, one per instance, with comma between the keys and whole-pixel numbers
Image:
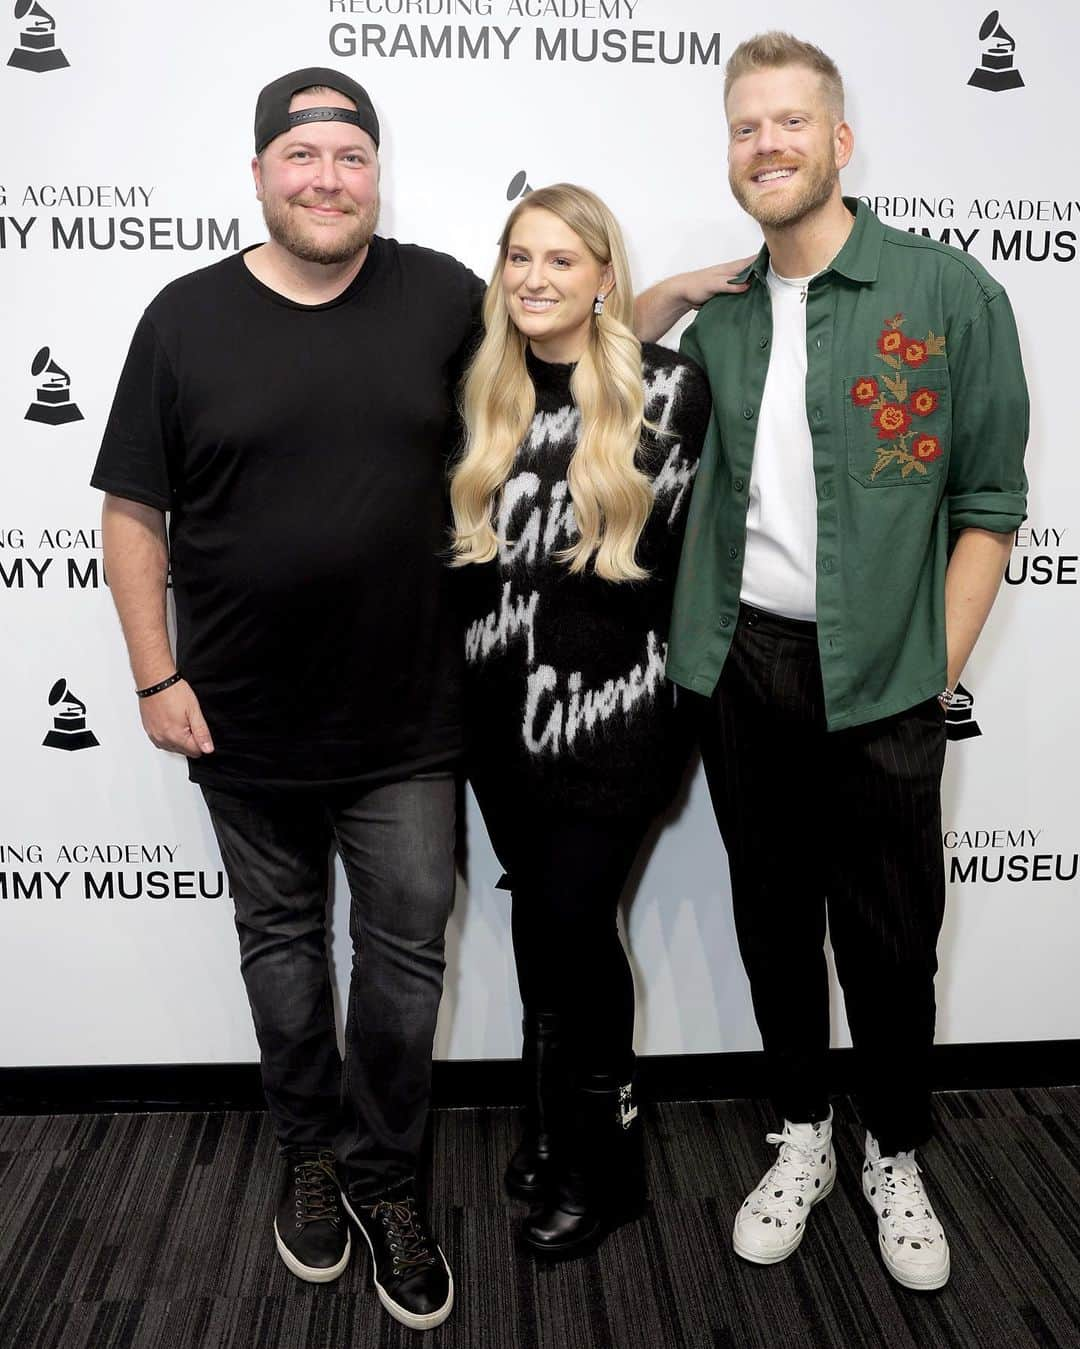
[{"x": 127, "y": 138}]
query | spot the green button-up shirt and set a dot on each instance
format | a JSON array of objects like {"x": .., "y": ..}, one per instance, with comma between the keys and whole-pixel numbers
[{"x": 918, "y": 414}]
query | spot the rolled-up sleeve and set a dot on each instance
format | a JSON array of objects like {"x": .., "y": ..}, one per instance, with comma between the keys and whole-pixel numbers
[{"x": 987, "y": 487}]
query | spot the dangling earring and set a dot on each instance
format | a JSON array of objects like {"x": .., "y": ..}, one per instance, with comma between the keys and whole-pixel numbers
[{"x": 598, "y": 307}]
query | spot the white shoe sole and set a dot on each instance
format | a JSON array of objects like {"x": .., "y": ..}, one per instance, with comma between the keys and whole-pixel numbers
[
  {"x": 312, "y": 1273},
  {"x": 399, "y": 1313},
  {"x": 757, "y": 1257},
  {"x": 904, "y": 1277}
]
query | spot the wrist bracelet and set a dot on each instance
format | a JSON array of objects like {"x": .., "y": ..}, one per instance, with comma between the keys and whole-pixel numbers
[
  {"x": 946, "y": 698},
  {"x": 156, "y": 688}
]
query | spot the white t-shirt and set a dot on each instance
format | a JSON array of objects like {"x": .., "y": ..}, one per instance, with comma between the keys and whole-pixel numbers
[{"x": 779, "y": 565}]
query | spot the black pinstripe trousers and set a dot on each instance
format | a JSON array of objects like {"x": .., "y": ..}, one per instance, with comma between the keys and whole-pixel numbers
[{"x": 843, "y": 825}]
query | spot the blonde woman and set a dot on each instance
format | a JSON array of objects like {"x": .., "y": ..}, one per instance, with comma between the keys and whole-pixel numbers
[{"x": 569, "y": 503}]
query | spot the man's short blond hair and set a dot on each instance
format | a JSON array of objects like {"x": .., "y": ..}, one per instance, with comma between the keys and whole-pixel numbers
[{"x": 772, "y": 51}]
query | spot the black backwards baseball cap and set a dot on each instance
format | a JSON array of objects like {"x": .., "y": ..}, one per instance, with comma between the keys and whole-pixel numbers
[{"x": 273, "y": 118}]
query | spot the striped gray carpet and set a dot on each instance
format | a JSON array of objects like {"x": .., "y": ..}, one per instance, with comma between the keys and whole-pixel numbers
[{"x": 153, "y": 1232}]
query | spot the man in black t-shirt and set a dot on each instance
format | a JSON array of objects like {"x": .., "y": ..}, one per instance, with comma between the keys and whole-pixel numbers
[{"x": 291, "y": 410}]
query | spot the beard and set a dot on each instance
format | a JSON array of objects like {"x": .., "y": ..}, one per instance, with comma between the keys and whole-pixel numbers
[
  {"x": 307, "y": 242},
  {"x": 816, "y": 180}
]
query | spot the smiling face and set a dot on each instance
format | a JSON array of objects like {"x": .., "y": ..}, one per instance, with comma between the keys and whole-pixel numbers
[
  {"x": 785, "y": 150},
  {"x": 550, "y": 282},
  {"x": 319, "y": 185}
]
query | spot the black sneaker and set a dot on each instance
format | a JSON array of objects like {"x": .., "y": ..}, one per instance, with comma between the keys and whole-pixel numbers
[
  {"x": 310, "y": 1229},
  {"x": 411, "y": 1275}
]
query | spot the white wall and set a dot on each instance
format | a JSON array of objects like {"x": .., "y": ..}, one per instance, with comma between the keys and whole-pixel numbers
[{"x": 157, "y": 104}]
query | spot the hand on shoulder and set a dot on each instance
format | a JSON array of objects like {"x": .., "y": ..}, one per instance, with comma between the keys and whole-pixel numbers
[
  {"x": 662, "y": 305},
  {"x": 700, "y": 286}
]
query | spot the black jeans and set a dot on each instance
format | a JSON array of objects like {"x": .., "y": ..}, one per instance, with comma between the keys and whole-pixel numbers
[
  {"x": 844, "y": 823},
  {"x": 566, "y": 874},
  {"x": 397, "y": 845}
]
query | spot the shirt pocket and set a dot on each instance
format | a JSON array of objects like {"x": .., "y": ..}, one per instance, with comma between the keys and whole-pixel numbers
[{"x": 896, "y": 426}]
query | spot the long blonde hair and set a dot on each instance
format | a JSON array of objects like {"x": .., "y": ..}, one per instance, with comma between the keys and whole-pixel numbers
[{"x": 612, "y": 497}]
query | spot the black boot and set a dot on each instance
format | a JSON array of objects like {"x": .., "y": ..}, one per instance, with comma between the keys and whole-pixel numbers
[
  {"x": 541, "y": 1044},
  {"x": 597, "y": 1177}
]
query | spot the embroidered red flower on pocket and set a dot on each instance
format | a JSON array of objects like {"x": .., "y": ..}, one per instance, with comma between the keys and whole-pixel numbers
[
  {"x": 892, "y": 420},
  {"x": 902, "y": 451},
  {"x": 925, "y": 448},
  {"x": 913, "y": 352}
]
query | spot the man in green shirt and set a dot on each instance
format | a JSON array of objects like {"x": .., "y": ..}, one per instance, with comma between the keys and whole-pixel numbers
[{"x": 851, "y": 521}]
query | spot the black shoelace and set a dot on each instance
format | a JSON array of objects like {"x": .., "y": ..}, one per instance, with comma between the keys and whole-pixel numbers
[
  {"x": 405, "y": 1229},
  {"x": 316, "y": 1189}
]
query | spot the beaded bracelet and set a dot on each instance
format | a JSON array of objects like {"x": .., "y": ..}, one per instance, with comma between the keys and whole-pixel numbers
[{"x": 156, "y": 688}]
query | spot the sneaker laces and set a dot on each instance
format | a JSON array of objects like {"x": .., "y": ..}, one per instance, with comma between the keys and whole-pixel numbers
[
  {"x": 316, "y": 1188},
  {"x": 408, "y": 1239},
  {"x": 788, "y": 1174},
  {"x": 906, "y": 1208}
]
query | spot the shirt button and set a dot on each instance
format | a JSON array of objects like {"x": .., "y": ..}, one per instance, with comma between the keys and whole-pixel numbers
[
  {"x": 733, "y": 552},
  {"x": 826, "y": 490},
  {"x": 818, "y": 414},
  {"x": 763, "y": 343},
  {"x": 725, "y": 622},
  {"x": 819, "y": 343},
  {"x": 748, "y": 412},
  {"x": 738, "y": 484},
  {"x": 826, "y": 564}
]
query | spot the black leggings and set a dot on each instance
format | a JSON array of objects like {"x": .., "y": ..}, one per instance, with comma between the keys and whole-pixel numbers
[{"x": 566, "y": 874}]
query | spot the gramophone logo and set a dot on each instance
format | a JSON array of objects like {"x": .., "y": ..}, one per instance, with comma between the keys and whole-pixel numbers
[
  {"x": 518, "y": 186},
  {"x": 37, "y": 49},
  {"x": 53, "y": 404},
  {"x": 69, "y": 729},
  {"x": 960, "y": 723},
  {"x": 996, "y": 71}
]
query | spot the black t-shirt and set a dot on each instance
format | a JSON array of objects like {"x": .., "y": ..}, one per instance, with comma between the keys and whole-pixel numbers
[{"x": 300, "y": 451}]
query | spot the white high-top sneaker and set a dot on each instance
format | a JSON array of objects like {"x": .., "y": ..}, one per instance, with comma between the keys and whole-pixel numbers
[
  {"x": 912, "y": 1241},
  {"x": 772, "y": 1221}
]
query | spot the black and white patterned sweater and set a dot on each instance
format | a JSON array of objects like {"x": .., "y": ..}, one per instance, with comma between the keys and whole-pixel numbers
[{"x": 567, "y": 705}]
